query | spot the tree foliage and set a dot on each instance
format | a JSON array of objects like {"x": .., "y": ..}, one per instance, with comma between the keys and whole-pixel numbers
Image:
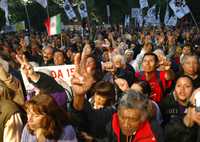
[{"x": 96, "y": 8}]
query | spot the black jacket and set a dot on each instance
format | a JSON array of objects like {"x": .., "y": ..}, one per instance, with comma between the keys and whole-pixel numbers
[
  {"x": 98, "y": 123},
  {"x": 176, "y": 131},
  {"x": 174, "y": 128},
  {"x": 171, "y": 109}
]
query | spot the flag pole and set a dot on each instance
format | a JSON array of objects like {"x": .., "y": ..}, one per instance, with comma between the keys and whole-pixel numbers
[
  {"x": 90, "y": 26},
  {"x": 194, "y": 20},
  {"x": 27, "y": 16},
  {"x": 61, "y": 39},
  {"x": 108, "y": 11},
  {"x": 47, "y": 10}
]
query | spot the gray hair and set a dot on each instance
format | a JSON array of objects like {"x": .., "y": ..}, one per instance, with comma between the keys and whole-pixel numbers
[
  {"x": 185, "y": 57},
  {"x": 132, "y": 99}
]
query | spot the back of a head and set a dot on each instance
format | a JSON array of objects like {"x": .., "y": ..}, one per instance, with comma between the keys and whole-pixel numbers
[
  {"x": 105, "y": 89},
  {"x": 144, "y": 85}
]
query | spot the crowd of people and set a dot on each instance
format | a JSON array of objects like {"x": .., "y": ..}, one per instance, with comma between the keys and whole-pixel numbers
[{"x": 128, "y": 86}]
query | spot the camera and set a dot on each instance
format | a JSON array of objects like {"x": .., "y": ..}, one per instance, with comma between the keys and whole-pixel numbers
[{"x": 197, "y": 102}]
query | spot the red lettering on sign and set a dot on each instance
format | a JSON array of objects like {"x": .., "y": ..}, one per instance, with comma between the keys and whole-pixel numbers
[
  {"x": 53, "y": 74},
  {"x": 60, "y": 75},
  {"x": 72, "y": 71},
  {"x": 68, "y": 73}
]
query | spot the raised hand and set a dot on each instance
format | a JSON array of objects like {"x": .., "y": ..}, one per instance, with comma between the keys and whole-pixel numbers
[
  {"x": 192, "y": 115},
  {"x": 82, "y": 79},
  {"x": 25, "y": 65},
  {"x": 165, "y": 64},
  {"x": 27, "y": 68},
  {"x": 87, "y": 50},
  {"x": 122, "y": 84}
]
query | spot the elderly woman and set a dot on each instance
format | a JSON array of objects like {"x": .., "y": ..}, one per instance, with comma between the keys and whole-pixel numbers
[
  {"x": 47, "y": 122},
  {"x": 190, "y": 66}
]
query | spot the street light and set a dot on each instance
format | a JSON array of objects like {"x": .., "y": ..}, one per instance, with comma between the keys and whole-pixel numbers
[{"x": 27, "y": 16}]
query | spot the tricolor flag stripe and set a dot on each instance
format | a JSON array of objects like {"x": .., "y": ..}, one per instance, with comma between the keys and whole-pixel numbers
[{"x": 53, "y": 25}]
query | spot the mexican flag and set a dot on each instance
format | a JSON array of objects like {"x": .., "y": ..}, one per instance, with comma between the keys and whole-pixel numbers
[{"x": 53, "y": 25}]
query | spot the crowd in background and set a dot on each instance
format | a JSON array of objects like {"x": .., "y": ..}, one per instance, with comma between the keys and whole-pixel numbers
[{"x": 128, "y": 86}]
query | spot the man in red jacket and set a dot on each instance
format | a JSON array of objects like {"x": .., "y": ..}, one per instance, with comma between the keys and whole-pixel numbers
[
  {"x": 159, "y": 81},
  {"x": 128, "y": 123}
]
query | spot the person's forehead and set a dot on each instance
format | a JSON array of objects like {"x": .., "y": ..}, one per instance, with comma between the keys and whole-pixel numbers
[
  {"x": 129, "y": 53},
  {"x": 183, "y": 80},
  {"x": 186, "y": 47},
  {"x": 129, "y": 112},
  {"x": 48, "y": 50},
  {"x": 90, "y": 59},
  {"x": 149, "y": 57},
  {"x": 99, "y": 95},
  {"x": 58, "y": 53}
]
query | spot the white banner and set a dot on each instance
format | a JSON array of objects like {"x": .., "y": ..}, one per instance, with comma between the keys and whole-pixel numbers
[
  {"x": 108, "y": 10},
  {"x": 82, "y": 8},
  {"x": 152, "y": 21},
  {"x": 172, "y": 21},
  {"x": 127, "y": 21},
  {"x": 43, "y": 3},
  {"x": 69, "y": 10},
  {"x": 140, "y": 20},
  {"x": 150, "y": 18},
  {"x": 152, "y": 11},
  {"x": 143, "y": 4},
  {"x": 166, "y": 19},
  {"x": 181, "y": 10},
  {"x": 62, "y": 74},
  {"x": 4, "y": 7},
  {"x": 135, "y": 12}
]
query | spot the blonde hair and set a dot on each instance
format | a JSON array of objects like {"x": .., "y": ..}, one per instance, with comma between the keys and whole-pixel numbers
[{"x": 120, "y": 58}]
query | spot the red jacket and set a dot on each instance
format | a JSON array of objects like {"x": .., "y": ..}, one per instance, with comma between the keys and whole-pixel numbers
[{"x": 143, "y": 134}]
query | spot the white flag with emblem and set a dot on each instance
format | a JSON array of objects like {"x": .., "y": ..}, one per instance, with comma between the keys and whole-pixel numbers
[
  {"x": 172, "y": 21},
  {"x": 150, "y": 18},
  {"x": 127, "y": 21},
  {"x": 82, "y": 8},
  {"x": 152, "y": 11},
  {"x": 108, "y": 10},
  {"x": 181, "y": 9},
  {"x": 143, "y": 4},
  {"x": 43, "y": 3},
  {"x": 4, "y": 7},
  {"x": 135, "y": 12},
  {"x": 140, "y": 20},
  {"x": 166, "y": 19},
  {"x": 69, "y": 10}
]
